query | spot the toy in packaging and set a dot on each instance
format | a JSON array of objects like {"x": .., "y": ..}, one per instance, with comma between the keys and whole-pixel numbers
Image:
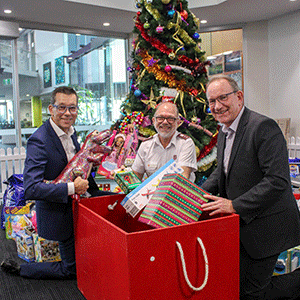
[
  {"x": 25, "y": 247},
  {"x": 45, "y": 250},
  {"x": 287, "y": 261},
  {"x": 127, "y": 181},
  {"x": 123, "y": 152},
  {"x": 17, "y": 218},
  {"x": 176, "y": 201},
  {"x": 136, "y": 200}
]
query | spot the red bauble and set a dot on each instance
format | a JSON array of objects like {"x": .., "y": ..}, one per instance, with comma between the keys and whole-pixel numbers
[
  {"x": 184, "y": 14},
  {"x": 168, "y": 68}
]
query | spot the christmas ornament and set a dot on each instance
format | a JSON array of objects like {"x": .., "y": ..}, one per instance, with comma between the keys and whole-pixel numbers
[
  {"x": 165, "y": 1},
  {"x": 168, "y": 68},
  {"x": 184, "y": 14},
  {"x": 136, "y": 117},
  {"x": 149, "y": 1},
  {"x": 159, "y": 29},
  {"x": 146, "y": 25},
  {"x": 152, "y": 102},
  {"x": 171, "y": 13},
  {"x": 172, "y": 55},
  {"x": 137, "y": 93},
  {"x": 196, "y": 35},
  {"x": 138, "y": 5}
]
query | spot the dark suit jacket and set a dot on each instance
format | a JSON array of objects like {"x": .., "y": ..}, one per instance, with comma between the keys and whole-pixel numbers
[
  {"x": 45, "y": 159},
  {"x": 258, "y": 183}
]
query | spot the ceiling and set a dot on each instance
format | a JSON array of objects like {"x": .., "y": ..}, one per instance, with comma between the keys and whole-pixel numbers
[{"x": 67, "y": 14}]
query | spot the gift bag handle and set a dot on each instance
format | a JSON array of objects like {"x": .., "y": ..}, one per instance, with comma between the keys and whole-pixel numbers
[{"x": 184, "y": 266}]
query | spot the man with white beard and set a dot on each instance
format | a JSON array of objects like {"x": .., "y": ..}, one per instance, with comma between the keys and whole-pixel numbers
[{"x": 167, "y": 144}]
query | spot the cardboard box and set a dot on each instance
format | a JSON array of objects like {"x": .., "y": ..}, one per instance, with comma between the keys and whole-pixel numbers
[
  {"x": 16, "y": 219},
  {"x": 118, "y": 257},
  {"x": 136, "y": 200},
  {"x": 45, "y": 250},
  {"x": 25, "y": 247},
  {"x": 176, "y": 201}
]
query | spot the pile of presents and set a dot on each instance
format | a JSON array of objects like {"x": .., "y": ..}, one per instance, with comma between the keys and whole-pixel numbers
[
  {"x": 166, "y": 197},
  {"x": 18, "y": 218}
]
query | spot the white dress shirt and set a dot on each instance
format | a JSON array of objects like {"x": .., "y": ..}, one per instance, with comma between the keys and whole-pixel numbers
[
  {"x": 230, "y": 135},
  {"x": 152, "y": 155},
  {"x": 68, "y": 146}
]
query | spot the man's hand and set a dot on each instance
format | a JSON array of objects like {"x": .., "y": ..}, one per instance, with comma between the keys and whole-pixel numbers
[
  {"x": 217, "y": 205},
  {"x": 81, "y": 185}
]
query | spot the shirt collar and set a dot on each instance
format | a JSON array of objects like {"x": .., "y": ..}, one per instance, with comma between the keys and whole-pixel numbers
[
  {"x": 233, "y": 127},
  {"x": 59, "y": 131}
]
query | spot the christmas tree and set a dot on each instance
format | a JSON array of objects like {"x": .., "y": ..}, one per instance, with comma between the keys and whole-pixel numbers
[{"x": 167, "y": 64}]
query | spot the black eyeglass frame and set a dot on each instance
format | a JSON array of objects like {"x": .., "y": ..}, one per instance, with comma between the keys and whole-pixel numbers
[
  {"x": 59, "y": 107},
  {"x": 170, "y": 120},
  {"x": 212, "y": 102}
]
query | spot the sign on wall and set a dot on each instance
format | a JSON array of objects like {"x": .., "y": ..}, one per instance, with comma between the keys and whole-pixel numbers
[
  {"x": 59, "y": 70},
  {"x": 47, "y": 75}
]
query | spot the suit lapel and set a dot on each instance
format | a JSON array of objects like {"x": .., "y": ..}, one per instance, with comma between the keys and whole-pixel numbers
[
  {"x": 74, "y": 139},
  {"x": 222, "y": 178},
  {"x": 238, "y": 137}
]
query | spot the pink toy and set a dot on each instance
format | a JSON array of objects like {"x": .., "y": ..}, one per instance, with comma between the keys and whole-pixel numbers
[
  {"x": 123, "y": 148},
  {"x": 90, "y": 155}
]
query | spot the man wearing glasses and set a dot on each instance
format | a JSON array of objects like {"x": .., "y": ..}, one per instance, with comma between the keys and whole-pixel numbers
[
  {"x": 48, "y": 151},
  {"x": 252, "y": 179},
  {"x": 167, "y": 144}
]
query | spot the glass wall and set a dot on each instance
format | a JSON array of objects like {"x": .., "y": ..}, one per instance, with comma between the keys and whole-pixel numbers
[{"x": 94, "y": 66}]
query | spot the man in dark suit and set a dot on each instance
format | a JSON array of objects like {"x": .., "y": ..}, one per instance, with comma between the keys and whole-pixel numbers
[
  {"x": 48, "y": 151},
  {"x": 252, "y": 179}
]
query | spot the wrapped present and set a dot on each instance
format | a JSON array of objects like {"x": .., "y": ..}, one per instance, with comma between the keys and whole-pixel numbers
[
  {"x": 45, "y": 250},
  {"x": 127, "y": 181},
  {"x": 13, "y": 195},
  {"x": 25, "y": 248},
  {"x": 176, "y": 201},
  {"x": 136, "y": 200}
]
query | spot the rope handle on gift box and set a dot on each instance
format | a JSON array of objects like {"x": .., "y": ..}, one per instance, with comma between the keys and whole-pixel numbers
[{"x": 184, "y": 266}]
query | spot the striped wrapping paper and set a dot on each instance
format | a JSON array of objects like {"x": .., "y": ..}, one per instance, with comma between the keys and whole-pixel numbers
[{"x": 176, "y": 201}]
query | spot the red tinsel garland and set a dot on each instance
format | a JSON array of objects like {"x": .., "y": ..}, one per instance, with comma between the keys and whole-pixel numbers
[
  {"x": 164, "y": 49},
  {"x": 208, "y": 147}
]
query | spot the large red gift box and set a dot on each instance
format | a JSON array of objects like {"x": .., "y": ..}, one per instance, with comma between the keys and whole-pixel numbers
[{"x": 118, "y": 257}]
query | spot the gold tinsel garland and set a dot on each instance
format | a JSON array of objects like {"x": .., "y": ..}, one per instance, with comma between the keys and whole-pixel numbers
[{"x": 167, "y": 77}]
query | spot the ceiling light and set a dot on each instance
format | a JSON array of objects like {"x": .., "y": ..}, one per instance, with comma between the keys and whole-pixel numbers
[
  {"x": 106, "y": 24},
  {"x": 203, "y": 21},
  {"x": 7, "y": 11},
  {"x": 227, "y": 52}
]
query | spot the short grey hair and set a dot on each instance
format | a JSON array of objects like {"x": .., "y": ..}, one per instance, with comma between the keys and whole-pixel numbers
[{"x": 229, "y": 79}]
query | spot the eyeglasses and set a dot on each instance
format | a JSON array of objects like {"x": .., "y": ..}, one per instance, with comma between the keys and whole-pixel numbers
[
  {"x": 221, "y": 99},
  {"x": 63, "y": 108},
  {"x": 170, "y": 120}
]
